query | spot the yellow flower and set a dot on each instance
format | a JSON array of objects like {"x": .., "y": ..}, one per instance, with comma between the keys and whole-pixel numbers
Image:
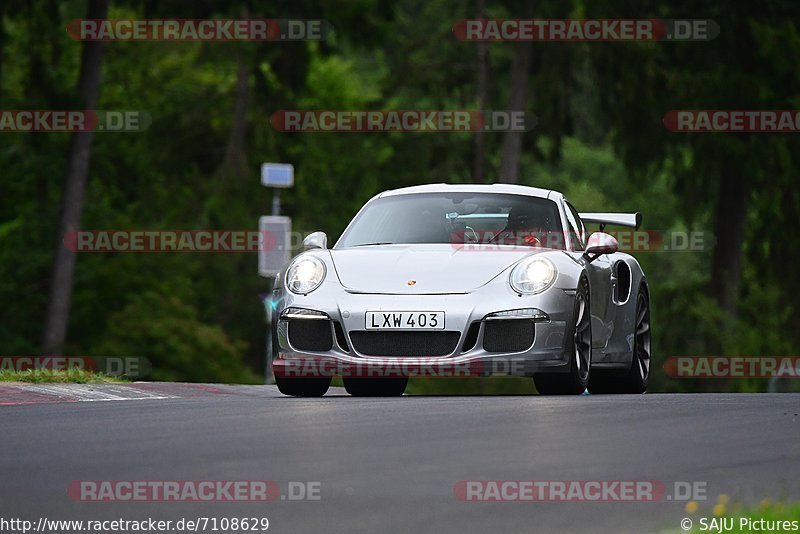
[
  {"x": 691, "y": 507},
  {"x": 718, "y": 509}
]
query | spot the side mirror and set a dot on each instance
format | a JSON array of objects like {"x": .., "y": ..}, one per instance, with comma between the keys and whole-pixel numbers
[
  {"x": 600, "y": 243},
  {"x": 316, "y": 240}
]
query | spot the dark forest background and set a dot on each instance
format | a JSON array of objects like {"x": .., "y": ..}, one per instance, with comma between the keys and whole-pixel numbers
[{"x": 599, "y": 139}]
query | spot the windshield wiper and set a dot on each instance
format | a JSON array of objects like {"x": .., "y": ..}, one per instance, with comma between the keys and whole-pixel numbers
[{"x": 372, "y": 244}]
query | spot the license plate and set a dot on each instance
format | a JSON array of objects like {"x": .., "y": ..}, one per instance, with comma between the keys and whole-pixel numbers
[{"x": 405, "y": 320}]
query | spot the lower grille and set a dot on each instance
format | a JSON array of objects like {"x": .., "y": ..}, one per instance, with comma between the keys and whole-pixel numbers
[
  {"x": 414, "y": 344},
  {"x": 508, "y": 335},
  {"x": 310, "y": 334}
]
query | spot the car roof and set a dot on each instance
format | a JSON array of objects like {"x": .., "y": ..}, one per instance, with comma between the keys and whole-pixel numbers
[{"x": 511, "y": 189}]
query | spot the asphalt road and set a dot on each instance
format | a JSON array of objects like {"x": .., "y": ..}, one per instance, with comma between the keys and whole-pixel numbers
[{"x": 390, "y": 465}]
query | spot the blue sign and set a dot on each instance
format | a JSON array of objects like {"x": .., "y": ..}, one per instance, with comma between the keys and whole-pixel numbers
[{"x": 277, "y": 174}]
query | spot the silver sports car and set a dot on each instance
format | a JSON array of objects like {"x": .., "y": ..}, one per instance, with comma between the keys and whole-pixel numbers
[{"x": 464, "y": 280}]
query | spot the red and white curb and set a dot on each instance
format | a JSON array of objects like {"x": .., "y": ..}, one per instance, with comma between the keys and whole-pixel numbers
[
  {"x": 17, "y": 393},
  {"x": 14, "y": 394}
]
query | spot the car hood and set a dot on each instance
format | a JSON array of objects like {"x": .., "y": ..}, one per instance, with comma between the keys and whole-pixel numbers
[{"x": 423, "y": 268}]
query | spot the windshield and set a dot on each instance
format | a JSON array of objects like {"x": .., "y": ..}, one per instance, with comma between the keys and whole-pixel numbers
[{"x": 470, "y": 218}]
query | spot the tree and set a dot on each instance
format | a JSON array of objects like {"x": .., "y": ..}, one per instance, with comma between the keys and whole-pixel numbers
[
  {"x": 517, "y": 100},
  {"x": 57, "y": 317},
  {"x": 721, "y": 177},
  {"x": 479, "y": 169}
]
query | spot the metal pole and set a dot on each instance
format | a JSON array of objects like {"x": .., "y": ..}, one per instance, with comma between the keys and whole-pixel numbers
[
  {"x": 268, "y": 375},
  {"x": 269, "y": 378},
  {"x": 276, "y": 201}
]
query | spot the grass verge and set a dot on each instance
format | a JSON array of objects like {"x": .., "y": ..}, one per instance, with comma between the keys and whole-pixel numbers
[{"x": 50, "y": 376}]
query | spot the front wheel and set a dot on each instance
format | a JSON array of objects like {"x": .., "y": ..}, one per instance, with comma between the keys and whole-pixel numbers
[
  {"x": 579, "y": 350},
  {"x": 634, "y": 380},
  {"x": 375, "y": 387},
  {"x": 303, "y": 387}
]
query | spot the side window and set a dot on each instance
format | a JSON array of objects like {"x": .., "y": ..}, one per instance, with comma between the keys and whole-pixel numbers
[{"x": 577, "y": 232}]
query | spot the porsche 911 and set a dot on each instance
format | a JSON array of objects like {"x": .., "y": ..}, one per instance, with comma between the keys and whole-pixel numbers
[{"x": 491, "y": 279}]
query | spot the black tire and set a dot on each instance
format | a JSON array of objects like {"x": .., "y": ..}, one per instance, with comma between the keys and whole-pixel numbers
[
  {"x": 634, "y": 380},
  {"x": 579, "y": 349},
  {"x": 303, "y": 387},
  {"x": 375, "y": 387}
]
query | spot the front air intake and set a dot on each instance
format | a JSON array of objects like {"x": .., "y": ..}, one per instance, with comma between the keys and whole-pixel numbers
[
  {"x": 311, "y": 334},
  {"x": 508, "y": 335},
  {"x": 411, "y": 344}
]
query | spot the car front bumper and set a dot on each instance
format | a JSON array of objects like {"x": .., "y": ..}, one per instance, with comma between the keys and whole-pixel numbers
[{"x": 345, "y": 313}]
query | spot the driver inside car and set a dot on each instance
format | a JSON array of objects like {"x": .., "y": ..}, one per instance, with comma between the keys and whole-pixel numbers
[{"x": 520, "y": 230}]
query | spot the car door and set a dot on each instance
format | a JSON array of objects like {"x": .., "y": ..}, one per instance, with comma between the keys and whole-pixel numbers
[{"x": 600, "y": 279}]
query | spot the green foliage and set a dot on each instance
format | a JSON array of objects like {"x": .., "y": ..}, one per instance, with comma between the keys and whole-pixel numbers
[
  {"x": 50, "y": 376},
  {"x": 599, "y": 139},
  {"x": 178, "y": 344}
]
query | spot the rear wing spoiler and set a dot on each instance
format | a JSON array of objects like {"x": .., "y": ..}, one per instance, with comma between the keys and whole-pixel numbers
[{"x": 632, "y": 220}]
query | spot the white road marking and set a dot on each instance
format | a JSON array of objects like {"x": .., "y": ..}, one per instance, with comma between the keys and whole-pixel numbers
[{"x": 91, "y": 393}]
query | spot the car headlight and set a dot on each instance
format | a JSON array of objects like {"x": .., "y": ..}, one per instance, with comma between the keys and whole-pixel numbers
[
  {"x": 533, "y": 275},
  {"x": 305, "y": 275}
]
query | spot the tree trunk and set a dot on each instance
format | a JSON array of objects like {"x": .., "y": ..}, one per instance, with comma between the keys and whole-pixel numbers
[
  {"x": 517, "y": 99},
  {"x": 479, "y": 169},
  {"x": 512, "y": 140},
  {"x": 57, "y": 318},
  {"x": 729, "y": 226},
  {"x": 235, "y": 160},
  {"x": 2, "y": 45}
]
